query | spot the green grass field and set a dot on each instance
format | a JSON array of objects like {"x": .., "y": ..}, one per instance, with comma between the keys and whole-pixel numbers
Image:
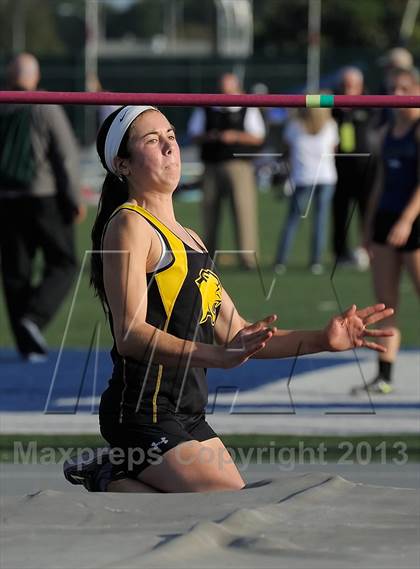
[{"x": 300, "y": 299}]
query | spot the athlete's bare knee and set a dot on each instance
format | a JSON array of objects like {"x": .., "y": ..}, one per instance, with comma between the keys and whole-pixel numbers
[
  {"x": 233, "y": 485},
  {"x": 217, "y": 485},
  {"x": 223, "y": 481}
]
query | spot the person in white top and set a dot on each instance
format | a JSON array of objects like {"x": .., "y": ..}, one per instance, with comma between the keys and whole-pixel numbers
[
  {"x": 312, "y": 138},
  {"x": 228, "y": 137}
]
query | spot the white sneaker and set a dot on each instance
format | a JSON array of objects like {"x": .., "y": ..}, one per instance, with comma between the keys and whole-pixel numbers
[
  {"x": 317, "y": 269},
  {"x": 35, "y": 357},
  {"x": 31, "y": 343},
  {"x": 362, "y": 259},
  {"x": 280, "y": 269}
]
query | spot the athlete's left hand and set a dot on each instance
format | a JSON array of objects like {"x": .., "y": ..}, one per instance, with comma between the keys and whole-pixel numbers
[
  {"x": 399, "y": 233},
  {"x": 349, "y": 330}
]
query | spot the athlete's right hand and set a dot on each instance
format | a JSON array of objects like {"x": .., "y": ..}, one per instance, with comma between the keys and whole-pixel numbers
[{"x": 248, "y": 341}]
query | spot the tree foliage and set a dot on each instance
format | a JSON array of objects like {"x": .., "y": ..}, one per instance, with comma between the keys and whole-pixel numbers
[
  {"x": 38, "y": 23},
  {"x": 280, "y": 26}
]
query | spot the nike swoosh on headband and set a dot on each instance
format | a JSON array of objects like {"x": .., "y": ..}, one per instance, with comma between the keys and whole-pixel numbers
[
  {"x": 122, "y": 118},
  {"x": 118, "y": 128}
]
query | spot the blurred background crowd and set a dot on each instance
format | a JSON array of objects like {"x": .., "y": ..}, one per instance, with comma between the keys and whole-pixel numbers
[
  {"x": 323, "y": 163},
  {"x": 271, "y": 46}
]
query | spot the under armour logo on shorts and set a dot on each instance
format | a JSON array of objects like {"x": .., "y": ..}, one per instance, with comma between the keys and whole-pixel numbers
[{"x": 163, "y": 441}]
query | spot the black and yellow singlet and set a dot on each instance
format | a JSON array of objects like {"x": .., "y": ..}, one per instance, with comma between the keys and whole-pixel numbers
[{"x": 184, "y": 295}]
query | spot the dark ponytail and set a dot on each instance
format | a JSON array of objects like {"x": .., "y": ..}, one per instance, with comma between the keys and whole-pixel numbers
[{"x": 114, "y": 193}]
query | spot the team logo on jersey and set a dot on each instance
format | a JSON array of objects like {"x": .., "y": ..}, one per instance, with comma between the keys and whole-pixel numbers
[{"x": 211, "y": 295}]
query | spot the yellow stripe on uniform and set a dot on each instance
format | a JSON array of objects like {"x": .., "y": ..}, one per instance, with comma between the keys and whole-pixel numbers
[
  {"x": 169, "y": 281},
  {"x": 155, "y": 395}
]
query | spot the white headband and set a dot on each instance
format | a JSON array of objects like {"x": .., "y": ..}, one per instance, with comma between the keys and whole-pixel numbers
[{"x": 118, "y": 128}]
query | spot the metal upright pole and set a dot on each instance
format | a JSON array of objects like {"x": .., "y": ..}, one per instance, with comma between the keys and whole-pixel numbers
[
  {"x": 314, "y": 46},
  {"x": 409, "y": 20},
  {"x": 18, "y": 27},
  {"x": 91, "y": 60},
  {"x": 91, "y": 42}
]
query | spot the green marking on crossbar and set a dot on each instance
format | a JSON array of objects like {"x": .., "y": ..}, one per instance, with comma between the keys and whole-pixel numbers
[{"x": 317, "y": 101}]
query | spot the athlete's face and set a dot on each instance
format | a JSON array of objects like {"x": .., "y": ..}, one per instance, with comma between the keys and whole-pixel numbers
[{"x": 155, "y": 161}]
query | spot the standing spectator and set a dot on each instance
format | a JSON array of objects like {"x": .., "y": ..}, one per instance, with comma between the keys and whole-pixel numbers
[
  {"x": 223, "y": 133},
  {"x": 39, "y": 202},
  {"x": 393, "y": 219},
  {"x": 311, "y": 138},
  {"x": 355, "y": 173}
]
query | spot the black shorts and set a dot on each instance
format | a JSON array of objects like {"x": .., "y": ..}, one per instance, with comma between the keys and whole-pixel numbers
[
  {"x": 137, "y": 445},
  {"x": 382, "y": 226}
]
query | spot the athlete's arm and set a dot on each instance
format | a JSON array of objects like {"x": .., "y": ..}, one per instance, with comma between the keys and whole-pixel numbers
[
  {"x": 127, "y": 243},
  {"x": 288, "y": 343},
  {"x": 342, "y": 332},
  {"x": 284, "y": 343}
]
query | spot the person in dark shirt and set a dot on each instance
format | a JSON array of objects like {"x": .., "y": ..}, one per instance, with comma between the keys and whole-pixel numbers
[
  {"x": 392, "y": 231},
  {"x": 37, "y": 215},
  {"x": 230, "y": 137},
  {"x": 355, "y": 162}
]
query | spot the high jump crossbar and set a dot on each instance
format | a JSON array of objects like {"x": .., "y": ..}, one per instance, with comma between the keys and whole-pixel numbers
[{"x": 209, "y": 99}]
